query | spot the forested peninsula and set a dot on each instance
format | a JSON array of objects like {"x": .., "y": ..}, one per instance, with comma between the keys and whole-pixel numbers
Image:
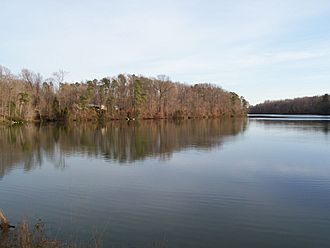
[
  {"x": 29, "y": 97},
  {"x": 316, "y": 105}
]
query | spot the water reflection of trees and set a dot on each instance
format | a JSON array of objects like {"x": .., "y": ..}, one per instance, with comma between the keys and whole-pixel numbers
[
  {"x": 29, "y": 146},
  {"x": 299, "y": 125}
]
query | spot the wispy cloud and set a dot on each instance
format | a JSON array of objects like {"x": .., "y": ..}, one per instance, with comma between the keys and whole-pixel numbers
[{"x": 278, "y": 57}]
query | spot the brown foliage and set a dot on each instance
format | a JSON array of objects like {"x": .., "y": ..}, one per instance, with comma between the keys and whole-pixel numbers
[{"x": 28, "y": 97}]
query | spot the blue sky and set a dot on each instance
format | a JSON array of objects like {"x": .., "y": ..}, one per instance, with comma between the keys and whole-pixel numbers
[{"x": 262, "y": 49}]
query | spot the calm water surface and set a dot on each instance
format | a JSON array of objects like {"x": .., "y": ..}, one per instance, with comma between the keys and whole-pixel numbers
[{"x": 230, "y": 183}]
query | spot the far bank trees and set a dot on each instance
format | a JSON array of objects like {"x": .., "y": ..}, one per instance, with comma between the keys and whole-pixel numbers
[
  {"x": 319, "y": 105},
  {"x": 28, "y": 96}
]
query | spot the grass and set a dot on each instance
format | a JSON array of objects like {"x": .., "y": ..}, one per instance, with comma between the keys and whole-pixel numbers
[
  {"x": 32, "y": 236},
  {"x": 25, "y": 237}
]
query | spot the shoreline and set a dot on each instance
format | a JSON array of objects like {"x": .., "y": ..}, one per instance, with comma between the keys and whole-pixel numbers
[{"x": 23, "y": 122}]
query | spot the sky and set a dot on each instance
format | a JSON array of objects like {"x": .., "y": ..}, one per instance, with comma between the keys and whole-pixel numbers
[{"x": 261, "y": 49}]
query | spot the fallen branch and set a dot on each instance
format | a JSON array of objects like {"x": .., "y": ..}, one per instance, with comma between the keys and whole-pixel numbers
[{"x": 4, "y": 223}]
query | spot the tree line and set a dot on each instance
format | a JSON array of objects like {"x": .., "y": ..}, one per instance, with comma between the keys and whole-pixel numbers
[
  {"x": 319, "y": 105},
  {"x": 28, "y": 96}
]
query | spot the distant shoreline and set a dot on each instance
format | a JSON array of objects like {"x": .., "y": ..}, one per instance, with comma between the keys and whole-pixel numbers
[
  {"x": 315, "y": 105},
  {"x": 286, "y": 116}
]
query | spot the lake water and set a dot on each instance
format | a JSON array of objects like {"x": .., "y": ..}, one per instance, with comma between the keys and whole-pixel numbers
[{"x": 261, "y": 182}]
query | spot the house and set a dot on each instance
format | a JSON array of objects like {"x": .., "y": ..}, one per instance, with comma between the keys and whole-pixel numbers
[{"x": 95, "y": 106}]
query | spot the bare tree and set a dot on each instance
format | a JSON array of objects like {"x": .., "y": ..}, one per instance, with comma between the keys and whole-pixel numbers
[
  {"x": 4, "y": 72},
  {"x": 28, "y": 76},
  {"x": 162, "y": 86},
  {"x": 59, "y": 76}
]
